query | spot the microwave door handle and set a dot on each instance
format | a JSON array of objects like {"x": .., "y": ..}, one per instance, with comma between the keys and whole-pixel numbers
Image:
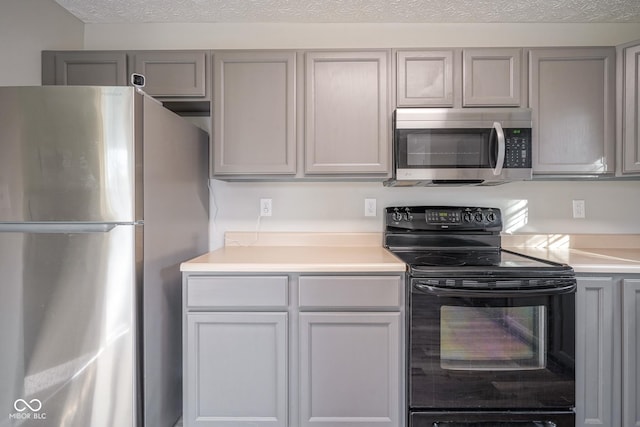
[{"x": 501, "y": 148}]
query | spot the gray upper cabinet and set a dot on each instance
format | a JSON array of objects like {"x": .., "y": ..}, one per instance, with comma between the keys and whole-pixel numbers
[
  {"x": 572, "y": 95},
  {"x": 171, "y": 74},
  {"x": 84, "y": 68},
  {"x": 347, "y": 115},
  {"x": 254, "y": 113},
  {"x": 629, "y": 110},
  {"x": 492, "y": 77},
  {"x": 425, "y": 78}
]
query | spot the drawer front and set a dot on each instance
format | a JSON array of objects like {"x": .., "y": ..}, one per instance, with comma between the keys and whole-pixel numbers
[
  {"x": 230, "y": 292},
  {"x": 355, "y": 292}
]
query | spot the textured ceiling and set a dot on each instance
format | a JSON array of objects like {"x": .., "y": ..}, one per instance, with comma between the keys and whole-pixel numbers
[{"x": 353, "y": 11}]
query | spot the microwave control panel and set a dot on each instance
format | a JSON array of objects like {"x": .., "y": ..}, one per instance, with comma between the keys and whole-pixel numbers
[{"x": 517, "y": 148}]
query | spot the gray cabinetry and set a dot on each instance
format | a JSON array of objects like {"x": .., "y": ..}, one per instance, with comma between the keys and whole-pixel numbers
[
  {"x": 350, "y": 351},
  {"x": 235, "y": 351},
  {"x": 572, "y": 94},
  {"x": 597, "y": 352},
  {"x": 629, "y": 110},
  {"x": 347, "y": 113},
  {"x": 84, "y": 68},
  {"x": 180, "y": 79},
  {"x": 254, "y": 113},
  {"x": 631, "y": 352},
  {"x": 170, "y": 74},
  {"x": 608, "y": 351},
  {"x": 425, "y": 78},
  {"x": 461, "y": 78},
  {"x": 492, "y": 77}
]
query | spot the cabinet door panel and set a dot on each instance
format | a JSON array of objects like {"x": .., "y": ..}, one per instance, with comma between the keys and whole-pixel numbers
[
  {"x": 254, "y": 116},
  {"x": 172, "y": 73},
  {"x": 597, "y": 374},
  {"x": 425, "y": 78},
  {"x": 631, "y": 114},
  {"x": 573, "y": 102},
  {"x": 347, "y": 113},
  {"x": 350, "y": 369},
  {"x": 91, "y": 68},
  {"x": 492, "y": 77},
  {"x": 236, "y": 370},
  {"x": 631, "y": 353}
]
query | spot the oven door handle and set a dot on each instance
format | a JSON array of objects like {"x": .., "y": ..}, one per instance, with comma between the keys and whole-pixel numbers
[{"x": 493, "y": 293}]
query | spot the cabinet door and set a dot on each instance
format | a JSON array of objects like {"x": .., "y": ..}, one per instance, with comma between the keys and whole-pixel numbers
[
  {"x": 236, "y": 370},
  {"x": 425, "y": 78},
  {"x": 172, "y": 73},
  {"x": 347, "y": 118},
  {"x": 630, "y": 149},
  {"x": 85, "y": 68},
  {"x": 350, "y": 369},
  {"x": 597, "y": 372},
  {"x": 573, "y": 101},
  {"x": 631, "y": 352},
  {"x": 254, "y": 116},
  {"x": 492, "y": 77}
]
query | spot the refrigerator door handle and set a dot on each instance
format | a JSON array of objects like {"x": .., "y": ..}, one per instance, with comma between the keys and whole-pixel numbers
[{"x": 39, "y": 227}]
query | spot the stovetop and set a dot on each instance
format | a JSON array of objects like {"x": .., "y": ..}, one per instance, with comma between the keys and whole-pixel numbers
[{"x": 447, "y": 241}]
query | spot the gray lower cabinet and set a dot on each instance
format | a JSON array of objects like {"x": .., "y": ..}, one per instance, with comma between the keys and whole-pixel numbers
[
  {"x": 631, "y": 352},
  {"x": 235, "y": 351},
  {"x": 608, "y": 351},
  {"x": 572, "y": 95},
  {"x": 330, "y": 356},
  {"x": 254, "y": 113},
  {"x": 629, "y": 110},
  {"x": 236, "y": 369},
  {"x": 349, "y": 372},
  {"x": 347, "y": 113},
  {"x": 351, "y": 351}
]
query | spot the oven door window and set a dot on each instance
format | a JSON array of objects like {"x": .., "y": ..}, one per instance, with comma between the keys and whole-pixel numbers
[
  {"x": 492, "y": 338},
  {"x": 444, "y": 148}
]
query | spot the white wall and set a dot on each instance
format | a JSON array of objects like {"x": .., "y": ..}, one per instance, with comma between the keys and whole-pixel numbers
[
  {"x": 26, "y": 28},
  {"x": 544, "y": 207}
]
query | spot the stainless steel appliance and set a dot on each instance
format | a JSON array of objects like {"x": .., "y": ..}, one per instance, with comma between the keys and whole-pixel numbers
[
  {"x": 479, "y": 146},
  {"x": 103, "y": 192},
  {"x": 491, "y": 333}
]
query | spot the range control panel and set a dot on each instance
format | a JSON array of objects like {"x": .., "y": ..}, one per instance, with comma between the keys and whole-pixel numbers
[{"x": 444, "y": 218}]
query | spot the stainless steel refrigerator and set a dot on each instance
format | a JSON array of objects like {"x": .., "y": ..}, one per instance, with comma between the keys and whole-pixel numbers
[{"x": 103, "y": 192}]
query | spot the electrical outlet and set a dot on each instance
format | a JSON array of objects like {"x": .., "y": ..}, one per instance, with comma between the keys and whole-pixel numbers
[
  {"x": 266, "y": 207},
  {"x": 369, "y": 207},
  {"x": 579, "y": 209}
]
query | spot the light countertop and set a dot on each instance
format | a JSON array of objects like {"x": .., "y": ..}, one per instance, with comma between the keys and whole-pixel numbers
[
  {"x": 363, "y": 252},
  {"x": 298, "y": 252}
]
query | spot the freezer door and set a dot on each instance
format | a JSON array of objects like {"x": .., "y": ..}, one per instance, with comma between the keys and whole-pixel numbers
[
  {"x": 67, "y": 154},
  {"x": 68, "y": 327}
]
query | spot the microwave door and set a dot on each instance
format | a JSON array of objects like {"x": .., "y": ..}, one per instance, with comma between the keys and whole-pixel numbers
[{"x": 497, "y": 148}]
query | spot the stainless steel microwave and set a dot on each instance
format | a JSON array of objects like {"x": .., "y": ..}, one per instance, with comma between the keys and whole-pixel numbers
[{"x": 480, "y": 146}]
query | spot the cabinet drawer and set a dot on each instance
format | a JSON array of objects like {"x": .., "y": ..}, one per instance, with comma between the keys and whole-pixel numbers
[
  {"x": 350, "y": 292},
  {"x": 227, "y": 292}
]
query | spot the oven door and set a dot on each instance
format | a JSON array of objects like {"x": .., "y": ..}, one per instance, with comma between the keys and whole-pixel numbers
[{"x": 491, "y": 349}]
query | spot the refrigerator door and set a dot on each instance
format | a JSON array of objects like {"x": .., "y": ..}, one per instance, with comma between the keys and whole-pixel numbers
[
  {"x": 68, "y": 326},
  {"x": 68, "y": 154}
]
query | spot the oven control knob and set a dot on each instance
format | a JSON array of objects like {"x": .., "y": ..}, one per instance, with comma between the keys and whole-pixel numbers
[
  {"x": 396, "y": 216},
  {"x": 491, "y": 217},
  {"x": 407, "y": 215},
  {"x": 478, "y": 217},
  {"x": 466, "y": 217}
]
